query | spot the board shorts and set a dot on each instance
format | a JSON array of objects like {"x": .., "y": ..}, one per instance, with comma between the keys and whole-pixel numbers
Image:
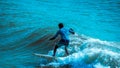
[{"x": 63, "y": 42}]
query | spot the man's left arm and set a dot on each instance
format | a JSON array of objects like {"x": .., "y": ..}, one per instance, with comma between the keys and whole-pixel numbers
[{"x": 71, "y": 31}]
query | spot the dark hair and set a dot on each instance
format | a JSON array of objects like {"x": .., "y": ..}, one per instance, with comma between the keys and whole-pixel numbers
[{"x": 60, "y": 25}]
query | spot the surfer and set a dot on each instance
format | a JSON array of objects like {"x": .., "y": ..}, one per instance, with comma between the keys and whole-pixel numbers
[{"x": 64, "y": 33}]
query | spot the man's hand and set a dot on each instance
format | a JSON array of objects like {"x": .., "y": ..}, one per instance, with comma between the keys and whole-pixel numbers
[
  {"x": 51, "y": 38},
  {"x": 72, "y": 31}
]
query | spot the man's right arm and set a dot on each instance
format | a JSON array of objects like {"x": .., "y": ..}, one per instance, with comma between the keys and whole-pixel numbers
[{"x": 55, "y": 36}]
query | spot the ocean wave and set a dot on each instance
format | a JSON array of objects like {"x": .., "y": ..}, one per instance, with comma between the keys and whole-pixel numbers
[{"x": 87, "y": 53}]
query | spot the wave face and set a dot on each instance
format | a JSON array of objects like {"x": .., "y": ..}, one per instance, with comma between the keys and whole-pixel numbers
[{"x": 27, "y": 25}]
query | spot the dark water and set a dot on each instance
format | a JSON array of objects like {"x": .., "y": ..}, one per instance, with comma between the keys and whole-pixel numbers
[{"x": 26, "y": 26}]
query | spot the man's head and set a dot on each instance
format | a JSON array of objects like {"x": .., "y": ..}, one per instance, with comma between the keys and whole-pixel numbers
[{"x": 60, "y": 25}]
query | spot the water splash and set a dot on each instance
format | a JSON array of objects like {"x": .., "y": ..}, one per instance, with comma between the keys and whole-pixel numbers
[{"x": 87, "y": 54}]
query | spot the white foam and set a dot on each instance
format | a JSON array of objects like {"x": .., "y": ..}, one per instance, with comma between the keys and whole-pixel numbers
[
  {"x": 71, "y": 58},
  {"x": 87, "y": 54},
  {"x": 98, "y": 65},
  {"x": 92, "y": 40},
  {"x": 105, "y": 52}
]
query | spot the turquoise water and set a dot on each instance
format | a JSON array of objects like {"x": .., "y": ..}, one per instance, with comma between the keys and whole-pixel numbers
[{"x": 26, "y": 26}]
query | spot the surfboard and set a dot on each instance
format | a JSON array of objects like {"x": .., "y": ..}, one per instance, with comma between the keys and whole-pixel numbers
[{"x": 45, "y": 56}]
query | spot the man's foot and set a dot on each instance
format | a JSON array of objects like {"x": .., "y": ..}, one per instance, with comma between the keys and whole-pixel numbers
[{"x": 66, "y": 54}]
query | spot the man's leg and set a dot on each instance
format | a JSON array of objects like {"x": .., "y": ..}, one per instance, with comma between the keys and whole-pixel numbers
[
  {"x": 66, "y": 50},
  {"x": 55, "y": 49}
]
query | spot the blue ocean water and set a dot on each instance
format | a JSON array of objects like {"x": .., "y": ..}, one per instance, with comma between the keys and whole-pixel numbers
[{"x": 27, "y": 25}]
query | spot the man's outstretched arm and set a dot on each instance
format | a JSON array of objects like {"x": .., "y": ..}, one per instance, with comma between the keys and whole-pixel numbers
[{"x": 55, "y": 36}]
